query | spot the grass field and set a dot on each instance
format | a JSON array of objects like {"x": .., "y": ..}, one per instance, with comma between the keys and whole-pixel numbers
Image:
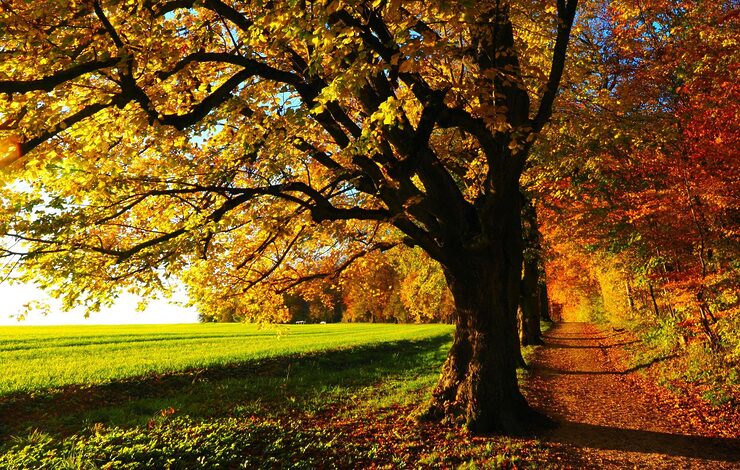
[
  {"x": 233, "y": 396},
  {"x": 40, "y": 357}
]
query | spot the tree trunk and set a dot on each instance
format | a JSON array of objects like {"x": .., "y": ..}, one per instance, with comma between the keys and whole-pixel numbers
[
  {"x": 704, "y": 321},
  {"x": 520, "y": 362},
  {"x": 478, "y": 383},
  {"x": 705, "y": 313},
  {"x": 530, "y": 304},
  {"x": 630, "y": 299},
  {"x": 655, "y": 302},
  {"x": 483, "y": 260},
  {"x": 544, "y": 301}
]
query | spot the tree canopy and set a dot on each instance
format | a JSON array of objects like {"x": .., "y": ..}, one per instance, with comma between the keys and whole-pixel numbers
[
  {"x": 248, "y": 148},
  {"x": 201, "y": 138},
  {"x": 639, "y": 195}
]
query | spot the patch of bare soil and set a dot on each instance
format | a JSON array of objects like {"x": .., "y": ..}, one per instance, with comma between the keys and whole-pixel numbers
[{"x": 610, "y": 416}]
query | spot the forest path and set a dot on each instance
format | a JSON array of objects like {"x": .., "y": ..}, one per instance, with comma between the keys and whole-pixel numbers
[{"x": 608, "y": 417}]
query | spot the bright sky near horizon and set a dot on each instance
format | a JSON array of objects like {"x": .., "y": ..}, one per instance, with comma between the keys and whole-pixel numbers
[{"x": 13, "y": 297}]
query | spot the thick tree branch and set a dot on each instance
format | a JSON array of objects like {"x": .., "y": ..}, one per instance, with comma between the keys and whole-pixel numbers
[
  {"x": 71, "y": 120},
  {"x": 50, "y": 82},
  {"x": 255, "y": 67},
  {"x": 566, "y": 15},
  {"x": 107, "y": 24},
  {"x": 197, "y": 113}
]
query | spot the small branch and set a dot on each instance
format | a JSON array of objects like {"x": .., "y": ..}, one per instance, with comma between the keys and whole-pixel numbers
[
  {"x": 108, "y": 26},
  {"x": 382, "y": 246},
  {"x": 84, "y": 113}
]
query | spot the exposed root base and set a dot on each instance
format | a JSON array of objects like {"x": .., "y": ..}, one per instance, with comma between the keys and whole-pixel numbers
[
  {"x": 525, "y": 421},
  {"x": 434, "y": 413},
  {"x": 533, "y": 342}
]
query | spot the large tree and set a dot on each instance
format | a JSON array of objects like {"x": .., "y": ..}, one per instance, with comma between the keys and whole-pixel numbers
[{"x": 238, "y": 144}]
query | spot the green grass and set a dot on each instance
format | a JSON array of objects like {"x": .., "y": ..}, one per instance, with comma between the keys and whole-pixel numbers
[
  {"x": 318, "y": 396},
  {"x": 36, "y": 358}
]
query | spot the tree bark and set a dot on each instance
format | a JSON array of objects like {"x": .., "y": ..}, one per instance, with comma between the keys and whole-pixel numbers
[
  {"x": 544, "y": 301},
  {"x": 630, "y": 298},
  {"x": 530, "y": 305},
  {"x": 712, "y": 337},
  {"x": 521, "y": 340},
  {"x": 655, "y": 302},
  {"x": 478, "y": 383}
]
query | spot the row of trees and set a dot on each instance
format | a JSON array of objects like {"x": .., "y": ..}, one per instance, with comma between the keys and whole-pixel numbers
[
  {"x": 640, "y": 209},
  {"x": 400, "y": 285}
]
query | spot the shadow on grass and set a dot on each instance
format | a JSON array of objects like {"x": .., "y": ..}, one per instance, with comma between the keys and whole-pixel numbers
[
  {"x": 304, "y": 382},
  {"x": 632, "y": 440}
]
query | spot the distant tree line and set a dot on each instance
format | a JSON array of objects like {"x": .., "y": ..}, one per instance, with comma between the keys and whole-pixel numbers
[{"x": 401, "y": 285}]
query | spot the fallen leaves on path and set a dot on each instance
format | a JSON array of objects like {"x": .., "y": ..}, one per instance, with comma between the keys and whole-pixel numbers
[{"x": 613, "y": 417}]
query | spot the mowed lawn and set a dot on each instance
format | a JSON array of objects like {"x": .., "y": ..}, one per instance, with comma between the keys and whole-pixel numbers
[
  {"x": 36, "y": 358},
  {"x": 234, "y": 396}
]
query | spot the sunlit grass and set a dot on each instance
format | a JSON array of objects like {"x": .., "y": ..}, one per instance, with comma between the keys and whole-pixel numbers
[
  {"x": 36, "y": 358},
  {"x": 349, "y": 402}
]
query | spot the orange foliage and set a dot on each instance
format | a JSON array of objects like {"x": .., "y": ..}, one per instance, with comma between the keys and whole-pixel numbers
[
  {"x": 641, "y": 209},
  {"x": 10, "y": 151}
]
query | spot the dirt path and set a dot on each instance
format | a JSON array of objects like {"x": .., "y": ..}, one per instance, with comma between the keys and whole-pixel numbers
[{"x": 608, "y": 418}]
